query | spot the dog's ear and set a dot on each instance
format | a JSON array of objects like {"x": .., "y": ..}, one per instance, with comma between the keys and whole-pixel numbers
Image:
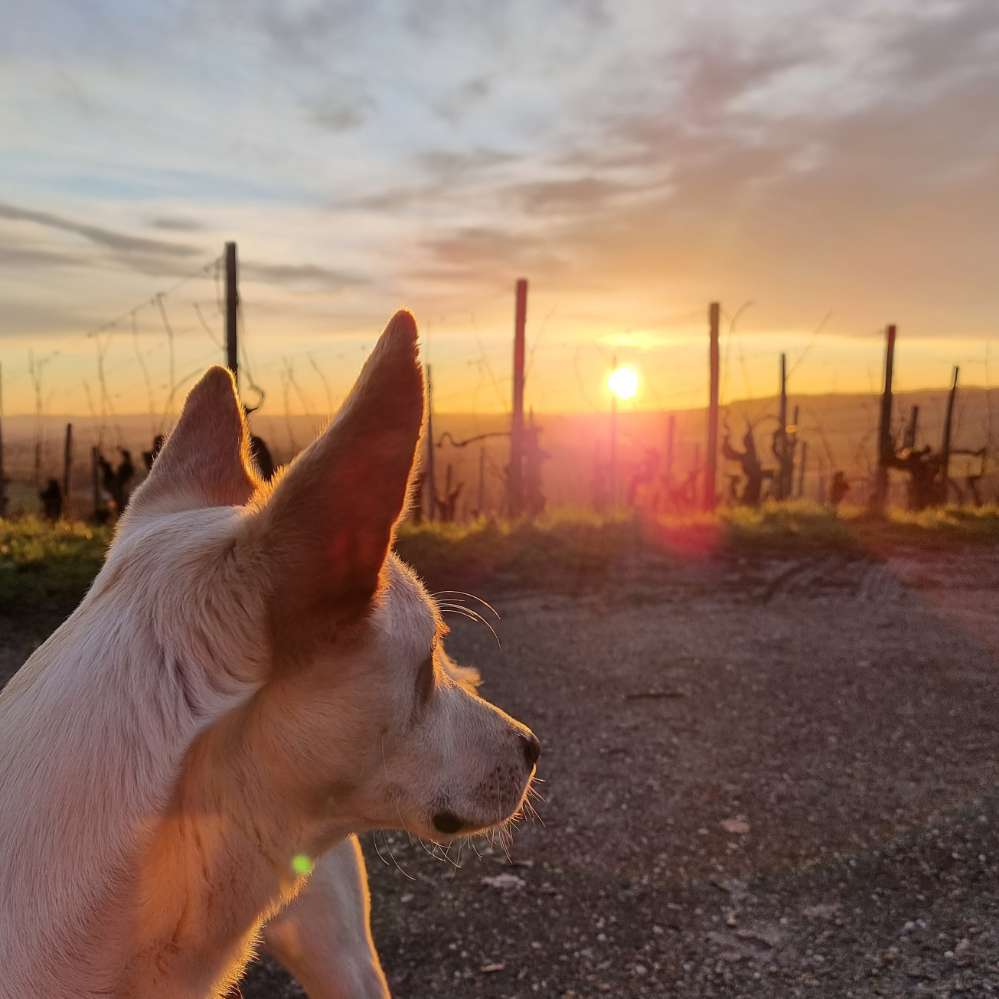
[
  {"x": 206, "y": 459},
  {"x": 327, "y": 527}
]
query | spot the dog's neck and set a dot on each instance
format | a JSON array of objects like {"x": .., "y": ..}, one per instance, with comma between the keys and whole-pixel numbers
[{"x": 234, "y": 845}]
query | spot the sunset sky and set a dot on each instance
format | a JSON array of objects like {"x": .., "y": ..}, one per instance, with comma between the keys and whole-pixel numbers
[{"x": 836, "y": 165}]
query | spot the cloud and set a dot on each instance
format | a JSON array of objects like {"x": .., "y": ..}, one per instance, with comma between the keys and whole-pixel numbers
[
  {"x": 944, "y": 43},
  {"x": 459, "y": 101},
  {"x": 35, "y": 258},
  {"x": 176, "y": 223},
  {"x": 479, "y": 256},
  {"x": 716, "y": 73},
  {"x": 343, "y": 105},
  {"x": 578, "y": 195},
  {"x": 18, "y": 318},
  {"x": 448, "y": 164},
  {"x": 336, "y": 117},
  {"x": 476, "y": 244},
  {"x": 642, "y": 340},
  {"x": 392, "y": 199},
  {"x": 749, "y": 183},
  {"x": 308, "y": 275},
  {"x": 449, "y": 174},
  {"x": 307, "y": 31},
  {"x": 108, "y": 239}
]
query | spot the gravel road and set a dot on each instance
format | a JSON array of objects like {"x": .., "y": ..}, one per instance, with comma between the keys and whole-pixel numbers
[{"x": 767, "y": 778}]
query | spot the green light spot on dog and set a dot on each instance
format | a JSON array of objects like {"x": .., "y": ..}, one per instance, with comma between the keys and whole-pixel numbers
[{"x": 302, "y": 863}]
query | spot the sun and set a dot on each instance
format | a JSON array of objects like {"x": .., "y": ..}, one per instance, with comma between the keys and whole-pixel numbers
[{"x": 623, "y": 382}]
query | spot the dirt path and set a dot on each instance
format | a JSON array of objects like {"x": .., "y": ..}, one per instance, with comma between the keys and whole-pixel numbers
[{"x": 772, "y": 779}]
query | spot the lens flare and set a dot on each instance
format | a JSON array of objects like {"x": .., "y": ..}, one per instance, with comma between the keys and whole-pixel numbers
[
  {"x": 302, "y": 864},
  {"x": 623, "y": 382}
]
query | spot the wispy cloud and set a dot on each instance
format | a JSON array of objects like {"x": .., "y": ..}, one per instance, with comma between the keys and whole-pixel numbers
[
  {"x": 337, "y": 116},
  {"x": 176, "y": 223},
  {"x": 108, "y": 239},
  {"x": 577, "y": 195},
  {"x": 300, "y": 275},
  {"x": 37, "y": 258}
]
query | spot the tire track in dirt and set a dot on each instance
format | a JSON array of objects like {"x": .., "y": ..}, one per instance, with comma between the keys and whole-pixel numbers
[{"x": 872, "y": 584}]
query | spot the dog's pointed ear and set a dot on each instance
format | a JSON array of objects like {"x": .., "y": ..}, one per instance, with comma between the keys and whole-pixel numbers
[
  {"x": 206, "y": 459},
  {"x": 327, "y": 527}
]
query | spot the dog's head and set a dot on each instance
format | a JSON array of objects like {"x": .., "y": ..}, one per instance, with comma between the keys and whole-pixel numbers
[{"x": 292, "y": 588}]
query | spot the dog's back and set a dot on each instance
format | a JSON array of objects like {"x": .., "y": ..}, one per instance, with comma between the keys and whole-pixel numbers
[{"x": 87, "y": 760}]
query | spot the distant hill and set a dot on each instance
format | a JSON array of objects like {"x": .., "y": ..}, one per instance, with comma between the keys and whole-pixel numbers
[{"x": 840, "y": 431}]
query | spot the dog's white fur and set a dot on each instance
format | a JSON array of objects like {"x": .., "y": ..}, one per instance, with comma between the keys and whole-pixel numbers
[{"x": 251, "y": 679}]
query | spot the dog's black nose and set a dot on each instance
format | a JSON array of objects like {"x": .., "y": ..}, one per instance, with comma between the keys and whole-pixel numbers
[
  {"x": 532, "y": 748},
  {"x": 447, "y": 822}
]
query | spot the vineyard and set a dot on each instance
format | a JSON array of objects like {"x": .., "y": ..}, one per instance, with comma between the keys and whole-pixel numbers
[{"x": 929, "y": 448}]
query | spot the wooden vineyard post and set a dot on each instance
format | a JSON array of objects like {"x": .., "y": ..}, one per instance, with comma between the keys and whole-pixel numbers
[
  {"x": 880, "y": 496},
  {"x": 3, "y": 477},
  {"x": 711, "y": 460},
  {"x": 515, "y": 480},
  {"x": 613, "y": 445},
  {"x": 912, "y": 430},
  {"x": 482, "y": 482},
  {"x": 670, "y": 448},
  {"x": 945, "y": 444},
  {"x": 430, "y": 483},
  {"x": 783, "y": 478},
  {"x": 95, "y": 482},
  {"x": 791, "y": 443},
  {"x": 695, "y": 476},
  {"x": 67, "y": 470},
  {"x": 232, "y": 311}
]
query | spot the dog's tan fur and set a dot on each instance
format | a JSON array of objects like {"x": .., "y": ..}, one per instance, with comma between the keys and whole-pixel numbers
[{"x": 252, "y": 678}]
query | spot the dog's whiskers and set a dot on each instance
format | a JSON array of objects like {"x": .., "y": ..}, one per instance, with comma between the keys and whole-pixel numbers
[
  {"x": 460, "y": 609},
  {"x": 505, "y": 838},
  {"x": 410, "y": 835},
  {"x": 455, "y": 862},
  {"x": 434, "y": 849},
  {"x": 531, "y": 812},
  {"x": 502, "y": 837},
  {"x": 413, "y": 837},
  {"x": 533, "y": 793},
  {"x": 402, "y": 825},
  {"x": 399, "y": 868},
  {"x": 377, "y": 848},
  {"x": 381, "y": 857},
  {"x": 464, "y": 593},
  {"x": 472, "y": 615}
]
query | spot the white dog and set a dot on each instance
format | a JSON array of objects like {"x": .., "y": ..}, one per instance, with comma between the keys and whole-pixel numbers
[{"x": 252, "y": 678}]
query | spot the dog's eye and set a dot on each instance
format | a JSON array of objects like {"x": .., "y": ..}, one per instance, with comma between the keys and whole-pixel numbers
[{"x": 425, "y": 680}]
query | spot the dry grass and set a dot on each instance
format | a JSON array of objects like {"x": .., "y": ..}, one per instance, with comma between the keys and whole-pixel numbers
[{"x": 42, "y": 563}]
